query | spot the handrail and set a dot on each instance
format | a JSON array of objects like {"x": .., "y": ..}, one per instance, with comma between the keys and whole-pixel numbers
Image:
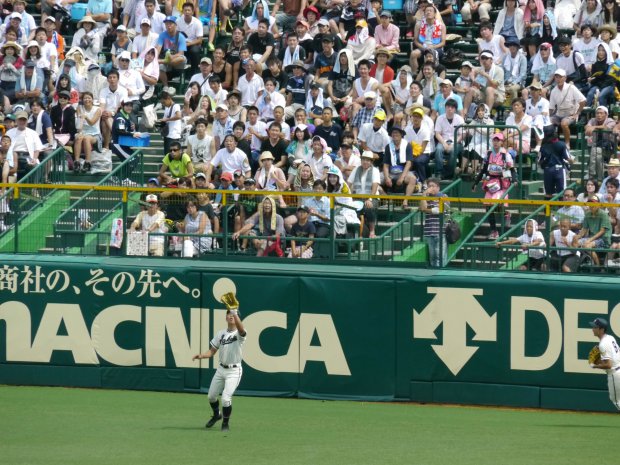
[
  {"x": 482, "y": 220},
  {"x": 491, "y": 129},
  {"x": 517, "y": 226},
  {"x": 112, "y": 175}
]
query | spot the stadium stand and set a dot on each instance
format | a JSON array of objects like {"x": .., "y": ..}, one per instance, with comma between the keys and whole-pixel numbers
[{"x": 508, "y": 101}]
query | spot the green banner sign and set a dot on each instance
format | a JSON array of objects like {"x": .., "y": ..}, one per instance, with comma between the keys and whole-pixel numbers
[{"x": 313, "y": 331}]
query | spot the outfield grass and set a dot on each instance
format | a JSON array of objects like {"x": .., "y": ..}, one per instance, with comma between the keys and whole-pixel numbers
[{"x": 79, "y": 426}]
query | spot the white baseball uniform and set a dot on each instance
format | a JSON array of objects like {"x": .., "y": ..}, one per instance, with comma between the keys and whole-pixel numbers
[
  {"x": 610, "y": 351},
  {"x": 228, "y": 374}
]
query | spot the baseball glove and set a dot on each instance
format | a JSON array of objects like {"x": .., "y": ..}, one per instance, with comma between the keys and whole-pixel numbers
[
  {"x": 230, "y": 301},
  {"x": 595, "y": 355}
]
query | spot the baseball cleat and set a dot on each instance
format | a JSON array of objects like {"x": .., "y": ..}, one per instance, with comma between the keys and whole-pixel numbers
[
  {"x": 214, "y": 419},
  {"x": 225, "y": 427}
]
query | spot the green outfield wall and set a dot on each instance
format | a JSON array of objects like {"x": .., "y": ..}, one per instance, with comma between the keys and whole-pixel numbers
[{"x": 329, "y": 332}]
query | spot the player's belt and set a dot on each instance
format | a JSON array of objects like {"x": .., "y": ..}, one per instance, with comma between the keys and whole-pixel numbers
[{"x": 230, "y": 366}]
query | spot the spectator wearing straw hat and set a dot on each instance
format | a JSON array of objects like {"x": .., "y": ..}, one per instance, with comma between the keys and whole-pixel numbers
[{"x": 152, "y": 220}]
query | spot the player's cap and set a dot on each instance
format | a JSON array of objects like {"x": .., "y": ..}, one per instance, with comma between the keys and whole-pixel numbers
[
  {"x": 370, "y": 95},
  {"x": 145, "y": 21},
  {"x": 152, "y": 198},
  {"x": 599, "y": 323},
  {"x": 560, "y": 72},
  {"x": 201, "y": 175},
  {"x": 206, "y": 60},
  {"x": 226, "y": 177},
  {"x": 21, "y": 115},
  {"x": 170, "y": 19},
  {"x": 380, "y": 115},
  {"x": 498, "y": 135},
  {"x": 154, "y": 181},
  {"x": 367, "y": 154}
]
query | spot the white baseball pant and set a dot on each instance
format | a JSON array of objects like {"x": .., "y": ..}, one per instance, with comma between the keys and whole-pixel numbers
[{"x": 225, "y": 382}]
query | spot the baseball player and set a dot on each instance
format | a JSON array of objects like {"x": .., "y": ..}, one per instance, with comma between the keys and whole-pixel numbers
[
  {"x": 609, "y": 359},
  {"x": 228, "y": 373}
]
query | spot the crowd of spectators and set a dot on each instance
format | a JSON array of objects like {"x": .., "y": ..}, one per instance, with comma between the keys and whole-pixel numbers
[{"x": 309, "y": 96}]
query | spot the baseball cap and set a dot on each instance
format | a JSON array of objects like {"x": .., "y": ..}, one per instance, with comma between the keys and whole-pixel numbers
[
  {"x": 206, "y": 60},
  {"x": 545, "y": 45},
  {"x": 560, "y": 72},
  {"x": 323, "y": 22},
  {"x": 303, "y": 208},
  {"x": 222, "y": 106},
  {"x": 238, "y": 173},
  {"x": 154, "y": 180},
  {"x": 599, "y": 323},
  {"x": 418, "y": 112},
  {"x": 50, "y": 18},
  {"x": 121, "y": 28},
  {"x": 125, "y": 55},
  {"x": 15, "y": 15},
  {"x": 10, "y": 116},
  {"x": 152, "y": 198},
  {"x": 380, "y": 115},
  {"x": 328, "y": 38},
  {"x": 467, "y": 63},
  {"x": 226, "y": 177},
  {"x": 21, "y": 115},
  {"x": 64, "y": 94},
  {"x": 386, "y": 13},
  {"x": 370, "y": 94},
  {"x": 498, "y": 135},
  {"x": 249, "y": 181},
  {"x": 170, "y": 19},
  {"x": 303, "y": 22},
  {"x": 361, "y": 23},
  {"x": 200, "y": 175},
  {"x": 486, "y": 54},
  {"x": 145, "y": 21}
]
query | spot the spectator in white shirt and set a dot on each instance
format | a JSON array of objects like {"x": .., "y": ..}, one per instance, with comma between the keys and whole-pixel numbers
[
  {"x": 155, "y": 16},
  {"x": 448, "y": 148},
  {"x": 191, "y": 26},
  {"x": 110, "y": 101},
  {"x": 143, "y": 41},
  {"x": 250, "y": 84}
]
